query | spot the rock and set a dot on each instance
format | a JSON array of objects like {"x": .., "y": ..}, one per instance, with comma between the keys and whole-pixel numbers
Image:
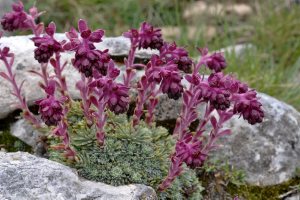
[
  {"x": 193, "y": 32},
  {"x": 269, "y": 153},
  {"x": 208, "y": 32},
  {"x": 238, "y": 49},
  {"x": 241, "y": 10},
  {"x": 170, "y": 32},
  {"x": 23, "y": 48},
  {"x": 200, "y": 9},
  {"x": 295, "y": 197},
  {"x": 216, "y": 9},
  {"x": 25, "y": 132},
  {"x": 24, "y": 176},
  {"x": 195, "y": 9}
]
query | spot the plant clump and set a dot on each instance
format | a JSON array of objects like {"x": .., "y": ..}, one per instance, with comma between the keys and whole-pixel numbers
[
  {"x": 129, "y": 156},
  {"x": 98, "y": 140}
]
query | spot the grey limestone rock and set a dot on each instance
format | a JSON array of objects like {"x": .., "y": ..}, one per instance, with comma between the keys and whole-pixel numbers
[
  {"x": 269, "y": 152},
  {"x": 26, "y": 177},
  {"x": 25, "y": 132}
]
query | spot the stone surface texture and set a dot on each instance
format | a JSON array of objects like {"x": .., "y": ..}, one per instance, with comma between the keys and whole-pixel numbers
[
  {"x": 198, "y": 9},
  {"x": 269, "y": 152},
  {"x": 26, "y": 177},
  {"x": 25, "y": 132},
  {"x": 238, "y": 50}
]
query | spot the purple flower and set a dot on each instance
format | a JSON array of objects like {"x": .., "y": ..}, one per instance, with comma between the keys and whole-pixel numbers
[
  {"x": 194, "y": 79},
  {"x": 87, "y": 58},
  {"x": 171, "y": 84},
  {"x": 243, "y": 88},
  {"x": 46, "y": 45},
  {"x": 249, "y": 107},
  {"x": 133, "y": 35},
  {"x": 178, "y": 55},
  {"x": 150, "y": 37},
  {"x": 16, "y": 19},
  {"x": 154, "y": 68},
  {"x": 216, "y": 62},
  {"x": 115, "y": 94},
  {"x": 103, "y": 62},
  {"x": 167, "y": 75},
  {"x": 215, "y": 93},
  {"x": 118, "y": 98},
  {"x": 227, "y": 82},
  {"x": 51, "y": 110},
  {"x": 174, "y": 171},
  {"x": 146, "y": 37},
  {"x": 86, "y": 39},
  {"x": 221, "y": 100},
  {"x": 190, "y": 151},
  {"x": 4, "y": 53}
]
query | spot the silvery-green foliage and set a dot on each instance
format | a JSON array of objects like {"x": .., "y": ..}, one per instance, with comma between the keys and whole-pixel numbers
[{"x": 130, "y": 155}]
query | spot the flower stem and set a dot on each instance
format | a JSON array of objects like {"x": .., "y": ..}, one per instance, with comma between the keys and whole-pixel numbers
[
  {"x": 28, "y": 115},
  {"x": 129, "y": 63}
]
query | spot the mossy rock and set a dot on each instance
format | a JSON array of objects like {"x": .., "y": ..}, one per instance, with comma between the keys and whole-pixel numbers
[
  {"x": 130, "y": 155},
  {"x": 11, "y": 143},
  {"x": 272, "y": 192}
]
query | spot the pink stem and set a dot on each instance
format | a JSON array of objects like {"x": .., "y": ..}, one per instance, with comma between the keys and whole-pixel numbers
[
  {"x": 33, "y": 25},
  {"x": 203, "y": 122},
  {"x": 101, "y": 119},
  {"x": 183, "y": 122},
  {"x": 45, "y": 74},
  {"x": 85, "y": 93},
  {"x": 141, "y": 100},
  {"x": 17, "y": 91},
  {"x": 62, "y": 81},
  {"x": 138, "y": 112},
  {"x": 129, "y": 66},
  {"x": 153, "y": 103}
]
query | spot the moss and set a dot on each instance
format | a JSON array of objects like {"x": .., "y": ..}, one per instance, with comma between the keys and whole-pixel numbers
[
  {"x": 11, "y": 143},
  {"x": 227, "y": 181},
  {"x": 272, "y": 192},
  {"x": 8, "y": 141},
  {"x": 130, "y": 155}
]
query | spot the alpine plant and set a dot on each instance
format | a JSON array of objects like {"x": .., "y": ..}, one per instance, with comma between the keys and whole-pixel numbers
[{"x": 103, "y": 87}]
